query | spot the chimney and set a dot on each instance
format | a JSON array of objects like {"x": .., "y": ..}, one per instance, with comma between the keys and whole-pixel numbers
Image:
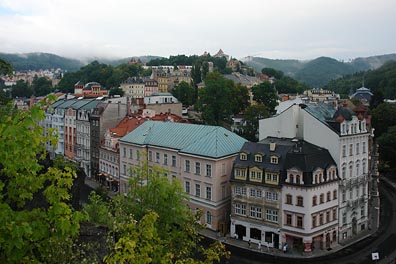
[
  {"x": 128, "y": 107},
  {"x": 272, "y": 146}
]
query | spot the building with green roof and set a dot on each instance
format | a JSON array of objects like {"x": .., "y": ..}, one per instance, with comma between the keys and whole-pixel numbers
[{"x": 200, "y": 156}]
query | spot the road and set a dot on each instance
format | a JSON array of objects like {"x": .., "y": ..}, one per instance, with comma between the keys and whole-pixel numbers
[{"x": 384, "y": 242}]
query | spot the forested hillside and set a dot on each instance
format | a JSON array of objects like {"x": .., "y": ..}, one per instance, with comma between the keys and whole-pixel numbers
[{"x": 381, "y": 80}]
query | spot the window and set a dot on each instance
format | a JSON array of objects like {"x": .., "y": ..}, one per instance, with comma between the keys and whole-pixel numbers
[
  {"x": 314, "y": 200},
  {"x": 350, "y": 149},
  {"x": 130, "y": 153},
  {"x": 258, "y": 158},
  {"x": 343, "y": 196},
  {"x": 334, "y": 214},
  {"x": 208, "y": 170},
  {"x": 187, "y": 168},
  {"x": 289, "y": 199},
  {"x": 344, "y": 218},
  {"x": 157, "y": 157},
  {"x": 364, "y": 147},
  {"x": 198, "y": 168},
  {"x": 208, "y": 192},
  {"x": 313, "y": 221},
  {"x": 271, "y": 196},
  {"x": 237, "y": 190},
  {"x": 343, "y": 151},
  {"x": 208, "y": 218},
  {"x": 298, "y": 179},
  {"x": 357, "y": 168},
  {"x": 255, "y": 175},
  {"x": 299, "y": 221},
  {"x": 223, "y": 170},
  {"x": 289, "y": 219},
  {"x": 150, "y": 155},
  {"x": 274, "y": 160},
  {"x": 237, "y": 209},
  {"x": 271, "y": 177},
  {"x": 173, "y": 161},
  {"x": 187, "y": 187},
  {"x": 300, "y": 201},
  {"x": 243, "y": 209},
  {"x": 321, "y": 219},
  {"x": 197, "y": 190},
  {"x": 258, "y": 212},
  {"x": 272, "y": 215},
  {"x": 321, "y": 198},
  {"x": 252, "y": 192},
  {"x": 328, "y": 197},
  {"x": 124, "y": 152},
  {"x": 335, "y": 195},
  {"x": 343, "y": 172},
  {"x": 291, "y": 178},
  {"x": 137, "y": 154},
  {"x": 327, "y": 216},
  {"x": 243, "y": 191},
  {"x": 125, "y": 169},
  {"x": 243, "y": 156},
  {"x": 362, "y": 211},
  {"x": 240, "y": 173},
  {"x": 165, "y": 159},
  {"x": 357, "y": 149}
]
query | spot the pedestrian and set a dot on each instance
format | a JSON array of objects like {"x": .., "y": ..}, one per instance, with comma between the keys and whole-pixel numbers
[
  {"x": 259, "y": 246},
  {"x": 250, "y": 243},
  {"x": 285, "y": 248}
]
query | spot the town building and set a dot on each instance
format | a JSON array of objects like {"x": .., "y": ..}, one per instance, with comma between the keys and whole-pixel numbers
[
  {"x": 285, "y": 192},
  {"x": 89, "y": 90},
  {"x": 163, "y": 103},
  {"x": 346, "y": 136},
  {"x": 321, "y": 95},
  {"x": 363, "y": 94},
  {"x": 200, "y": 156}
]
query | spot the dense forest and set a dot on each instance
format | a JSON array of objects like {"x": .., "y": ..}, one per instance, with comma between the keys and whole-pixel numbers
[
  {"x": 320, "y": 71},
  {"x": 381, "y": 80}
]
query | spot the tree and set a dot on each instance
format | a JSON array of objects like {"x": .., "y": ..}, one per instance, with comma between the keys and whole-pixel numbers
[
  {"x": 214, "y": 99},
  {"x": 38, "y": 224},
  {"x": 239, "y": 98},
  {"x": 265, "y": 94},
  {"x": 185, "y": 93},
  {"x": 376, "y": 99},
  {"x": 5, "y": 67},
  {"x": 272, "y": 72},
  {"x": 143, "y": 225},
  {"x": 116, "y": 91},
  {"x": 252, "y": 116},
  {"x": 41, "y": 86},
  {"x": 383, "y": 117},
  {"x": 21, "y": 89},
  {"x": 387, "y": 149}
]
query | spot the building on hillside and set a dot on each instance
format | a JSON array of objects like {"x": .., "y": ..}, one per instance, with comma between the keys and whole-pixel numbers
[
  {"x": 324, "y": 96},
  {"x": 346, "y": 136},
  {"x": 363, "y": 94},
  {"x": 150, "y": 87},
  {"x": 134, "y": 88},
  {"x": 284, "y": 192},
  {"x": 89, "y": 90},
  {"x": 234, "y": 65},
  {"x": 221, "y": 54},
  {"x": 163, "y": 103},
  {"x": 200, "y": 156}
]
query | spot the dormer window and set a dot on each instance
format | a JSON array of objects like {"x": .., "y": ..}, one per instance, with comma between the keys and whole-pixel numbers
[
  {"x": 258, "y": 158},
  {"x": 274, "y": 159},
  {"x": 243, "y": 156}
]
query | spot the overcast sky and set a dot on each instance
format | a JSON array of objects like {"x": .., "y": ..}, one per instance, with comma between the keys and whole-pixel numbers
[{"x": 299, "y": 29}]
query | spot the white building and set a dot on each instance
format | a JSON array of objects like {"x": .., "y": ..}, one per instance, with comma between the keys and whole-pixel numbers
[{"x": 346, "y": 137}]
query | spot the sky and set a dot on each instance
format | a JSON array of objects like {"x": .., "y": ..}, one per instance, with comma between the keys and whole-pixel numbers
[{"x": 277, "y": 29}]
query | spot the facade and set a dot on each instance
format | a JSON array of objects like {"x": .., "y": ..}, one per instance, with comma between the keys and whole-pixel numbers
[
  {"x": 163, "y": 103},
  {"x": 134, "y": 88},
  {"x": 150, "y": 87},
  {"x": 346, "y": 136},
  {"x": 321, "y": 95},
  {"x": 200, "y": 156},
  {"x": 105, "y": 115},
  {"x": 89, "y": 90},
  {"x": 285, "y": 192}
]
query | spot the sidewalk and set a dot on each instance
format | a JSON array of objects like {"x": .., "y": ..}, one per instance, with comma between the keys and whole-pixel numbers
[{"x": 290, "y": 253}]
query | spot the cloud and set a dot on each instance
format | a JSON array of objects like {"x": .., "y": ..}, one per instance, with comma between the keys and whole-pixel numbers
[{"x": 120, "y": 28}]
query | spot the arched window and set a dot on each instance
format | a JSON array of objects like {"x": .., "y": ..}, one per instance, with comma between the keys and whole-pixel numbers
[
  {"x": 357, "y": 168},
  {"x": 291, "y": 178}
]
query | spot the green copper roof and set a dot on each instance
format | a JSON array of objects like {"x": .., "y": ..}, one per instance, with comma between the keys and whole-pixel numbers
[{"x": 201, "y": 140}]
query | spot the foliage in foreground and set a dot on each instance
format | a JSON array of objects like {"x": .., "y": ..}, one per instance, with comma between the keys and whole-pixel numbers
[
  {"x": 38, "y": 224},
  {"x": 152, "y": 224}
]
